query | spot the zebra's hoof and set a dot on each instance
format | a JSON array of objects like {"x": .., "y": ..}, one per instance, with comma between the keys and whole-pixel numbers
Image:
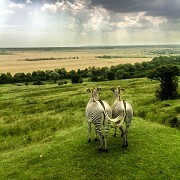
[
  {"x": 95, "y": 139},
  {"x": 106, "y": 150},
  {"x": 89, "y": 140},
  {"x": 100, "y": 150},
  {"x": 124, "y": 145}
]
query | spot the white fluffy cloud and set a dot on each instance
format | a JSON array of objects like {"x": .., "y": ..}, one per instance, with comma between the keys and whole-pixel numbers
[
  {"x": 86, "y": 18},
  {"x": 16, "y": 5},
  {"x": 28, "y": 1},
  {"x": 49, "y": 7}
]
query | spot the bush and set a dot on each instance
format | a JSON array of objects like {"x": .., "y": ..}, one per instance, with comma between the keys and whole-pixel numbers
[
  {"x": 75, "y": 78},
  {"x": 175, "y": 122},
  {"x": 94, "y": 78},
  {"x": 38, "y": 83}
]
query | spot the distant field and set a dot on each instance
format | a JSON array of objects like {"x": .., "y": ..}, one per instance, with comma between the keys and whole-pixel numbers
[{"x": 26, "y": 60}]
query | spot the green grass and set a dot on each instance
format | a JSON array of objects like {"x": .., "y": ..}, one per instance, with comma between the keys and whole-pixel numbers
[
  {"x": 43, "y": 134},
  {"x": 153, "y": 153}
]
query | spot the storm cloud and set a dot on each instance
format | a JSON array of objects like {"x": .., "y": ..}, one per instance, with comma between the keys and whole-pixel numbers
[
  {"x": 166, "y": 8},
  {"x": 91, "y": 21}
]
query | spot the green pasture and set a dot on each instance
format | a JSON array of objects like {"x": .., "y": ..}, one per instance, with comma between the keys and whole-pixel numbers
[{"x": 43, "y": 134}]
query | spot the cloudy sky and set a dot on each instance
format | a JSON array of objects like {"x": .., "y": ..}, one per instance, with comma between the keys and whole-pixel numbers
[{"x": 41, "y": 23}]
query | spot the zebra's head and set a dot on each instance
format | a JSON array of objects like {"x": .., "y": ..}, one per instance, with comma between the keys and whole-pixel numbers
[
  {"x": 117, "y": 91},
  {"x": 94, "y": 93}
]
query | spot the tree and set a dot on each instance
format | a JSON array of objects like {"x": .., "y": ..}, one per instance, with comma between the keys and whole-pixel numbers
[
  {"x": 6, "y": 78},
  {"x": 110, "y": 75},
  {"x": 76, "y": 78},
  {"x": 94, "y": 78},
  {"x": 19, "y": 77},
  {"x": 62, "y": 73},
  {"x": 120, "y": 74},
  {"x": 28, "y": 77},
  {"x": 41, "y": 75},
  {"x": 167, "y": 75},
  {"x": 54, "y": 76}
]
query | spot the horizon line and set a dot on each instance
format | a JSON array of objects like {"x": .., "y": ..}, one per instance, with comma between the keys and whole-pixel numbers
[{"x": 88, "y": 46}]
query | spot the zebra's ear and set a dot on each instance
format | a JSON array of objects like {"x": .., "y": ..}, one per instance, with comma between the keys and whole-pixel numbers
[
  {"x": 99, "y": 89},
  {"x": 88, "y": 90},
  {"x": 120, "y": 89},
  {"x": 112, "y": 89}
]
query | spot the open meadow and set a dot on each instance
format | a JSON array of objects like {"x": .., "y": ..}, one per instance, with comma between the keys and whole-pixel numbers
[
  {"x": 43, "y": 134},
  {"x": 26, "y": 60}
]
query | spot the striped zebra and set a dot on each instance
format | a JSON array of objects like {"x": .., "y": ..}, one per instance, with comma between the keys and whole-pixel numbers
[
  {"x": 122, "y": 107},
  {"x": 99, "y": 113}
]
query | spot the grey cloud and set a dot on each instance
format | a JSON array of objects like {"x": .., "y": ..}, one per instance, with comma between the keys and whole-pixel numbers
[{"x": 166, "y": 8}]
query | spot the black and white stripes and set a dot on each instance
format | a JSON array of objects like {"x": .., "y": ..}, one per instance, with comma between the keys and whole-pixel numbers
[
  {"x": 99, "y": 113},
  {"x": 96, "y": 111},
  {"x": 119, "y": 107}
]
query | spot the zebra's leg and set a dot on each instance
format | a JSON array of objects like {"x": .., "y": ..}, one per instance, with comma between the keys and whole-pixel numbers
[
  {"x": 89, "y": 132},
  {"x": 122, "y": 131},
  {"x": 101, "y": 149},
  {"x": 101, "y": 137},
  {"x": 126, "y": 141},
  {"x": 114, "y": 135},
  {"x": 96, "y": 139},
  {"x": 124, "y": 136},
  {"x": 106, "y": 129}
]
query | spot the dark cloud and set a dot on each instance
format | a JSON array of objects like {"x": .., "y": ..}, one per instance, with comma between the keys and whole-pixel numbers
[{"x": 166, "y": 8}]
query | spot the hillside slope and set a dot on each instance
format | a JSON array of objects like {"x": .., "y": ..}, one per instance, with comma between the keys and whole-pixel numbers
[
  {"x": 153, "y": 153},
  {"x": 43, "y": 134}
]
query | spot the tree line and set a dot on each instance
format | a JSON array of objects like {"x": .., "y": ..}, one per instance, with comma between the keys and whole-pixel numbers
[{"x": 121, "y": 71}]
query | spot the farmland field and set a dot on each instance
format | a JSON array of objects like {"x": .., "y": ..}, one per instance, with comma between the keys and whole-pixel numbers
[{"x": 26, "y": 59}]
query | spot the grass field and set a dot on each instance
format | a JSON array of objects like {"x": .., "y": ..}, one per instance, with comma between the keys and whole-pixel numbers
[
  {"x": 15, "y": 60},
  {"x": 43, "y": 134}
]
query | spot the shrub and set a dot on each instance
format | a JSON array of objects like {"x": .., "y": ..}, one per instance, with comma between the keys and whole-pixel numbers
[
  {"x": 38, "y": 83},
  {"x": 175, "y": 122},
  {"x": 94, "y": 78},
  {"x": 76, "y": 78}
]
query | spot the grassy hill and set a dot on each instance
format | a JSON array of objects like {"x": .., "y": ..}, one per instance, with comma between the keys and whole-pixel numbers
[{"x": 43, "y": 134}]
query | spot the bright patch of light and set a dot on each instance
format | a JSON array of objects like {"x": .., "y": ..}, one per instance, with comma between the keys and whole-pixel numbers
[
  {"x": 14, "y": 5},
  {"x": 28, "y": 1},
  {"x": 98, "y": 20},
  {"x": 156, "y": 21},
  {"x": 6, "y": 12},
  {"x": 51, "y": 7}
]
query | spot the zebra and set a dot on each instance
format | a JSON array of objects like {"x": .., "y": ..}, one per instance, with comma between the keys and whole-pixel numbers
[
  {"x": 99, "y": 113},
  {"x": 119, "y": 107}
]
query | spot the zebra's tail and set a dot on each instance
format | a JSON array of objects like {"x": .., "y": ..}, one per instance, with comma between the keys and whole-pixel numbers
[{"x": 116, "y": 122}]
